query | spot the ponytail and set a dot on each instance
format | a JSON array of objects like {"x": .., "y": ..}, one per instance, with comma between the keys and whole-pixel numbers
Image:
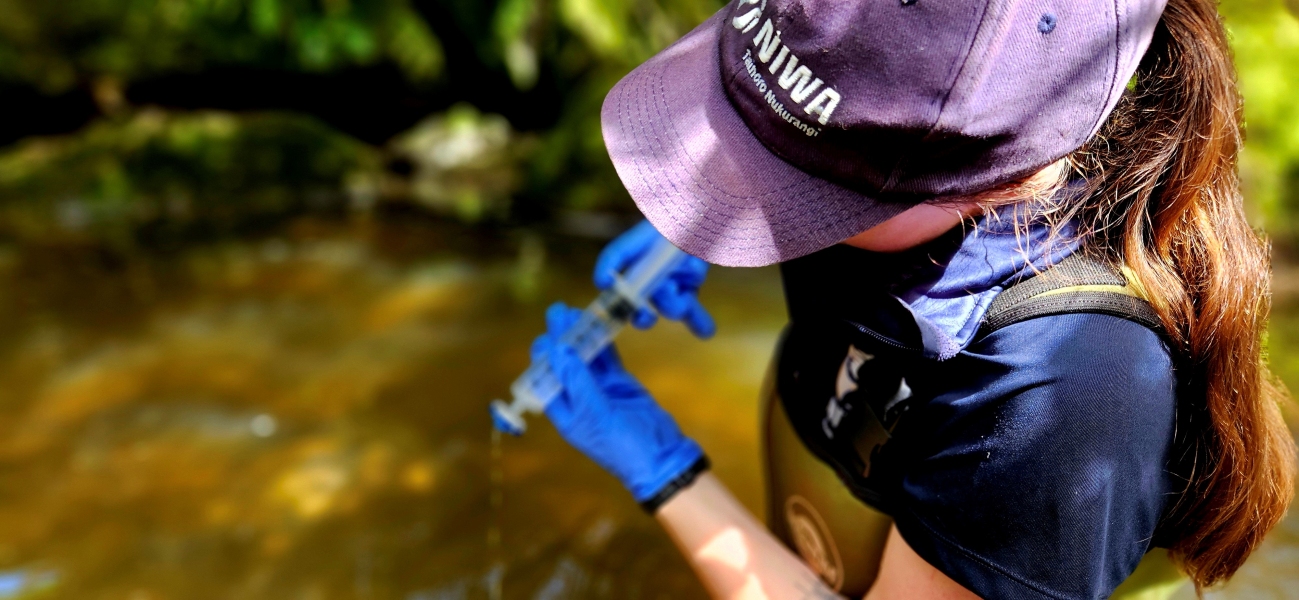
[{"x": 1165, "y": 200}]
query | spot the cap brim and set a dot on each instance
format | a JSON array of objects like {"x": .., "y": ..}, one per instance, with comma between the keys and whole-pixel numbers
[{"x": 706, "y": 183}]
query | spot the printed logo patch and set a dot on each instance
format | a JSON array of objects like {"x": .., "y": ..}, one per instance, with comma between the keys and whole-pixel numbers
[
  {"x": 804, "y": 88},
  {"x": 813, "y": 541}
]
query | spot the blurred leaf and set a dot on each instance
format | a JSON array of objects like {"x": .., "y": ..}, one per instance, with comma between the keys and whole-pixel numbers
[
  {"x": 414, "y": 47},
  {"x": 266, "y": 17},
  {"x": 600, "y": 23},
  {"x": 515, "y": 25}
]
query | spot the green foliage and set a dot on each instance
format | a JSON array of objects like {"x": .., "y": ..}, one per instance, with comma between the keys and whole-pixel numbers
[
  {"x": 588, "y": 45},
  {"x": 55, "y": 45},
  {"x": 211, "y": 167},
  {"x": 1265, "y": 36},
  {"x": 582, "y": 46}
]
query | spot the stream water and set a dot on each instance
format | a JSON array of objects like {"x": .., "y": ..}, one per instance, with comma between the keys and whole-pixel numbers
[{"x": 303, "y": 416}]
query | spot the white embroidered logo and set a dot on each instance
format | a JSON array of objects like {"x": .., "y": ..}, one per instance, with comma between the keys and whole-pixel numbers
[{"x": 796, "y": 76}]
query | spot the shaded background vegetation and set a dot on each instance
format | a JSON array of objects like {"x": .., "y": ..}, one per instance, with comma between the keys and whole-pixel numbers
[
  {"x": 263, "y": 262},
  {"x": 152, "y": 118},
  {"x": 158, "y": 117}
]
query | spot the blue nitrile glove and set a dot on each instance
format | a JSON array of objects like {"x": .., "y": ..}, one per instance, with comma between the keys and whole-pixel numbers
[
  {"x": 607, "y": 414},
  {"x": 676, "y": 298}
]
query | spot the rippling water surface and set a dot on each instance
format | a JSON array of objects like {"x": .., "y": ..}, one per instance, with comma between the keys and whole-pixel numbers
[{"x": 303, "y": 415}]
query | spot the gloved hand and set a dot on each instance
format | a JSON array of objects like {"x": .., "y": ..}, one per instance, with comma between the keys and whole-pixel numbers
[
  {"x": 607, "y": 414},
  {"x": 676, "y": 298}
]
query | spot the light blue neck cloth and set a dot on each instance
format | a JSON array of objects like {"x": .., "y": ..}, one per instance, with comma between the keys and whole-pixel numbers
[{"x": 949, "y": 301}]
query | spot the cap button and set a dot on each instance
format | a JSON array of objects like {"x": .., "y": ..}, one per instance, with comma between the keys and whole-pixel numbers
[{"x": 1047, "y": 24}]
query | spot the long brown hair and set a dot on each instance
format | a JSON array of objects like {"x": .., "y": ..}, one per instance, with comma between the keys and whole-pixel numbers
[{"x": 1164, "y": 199}]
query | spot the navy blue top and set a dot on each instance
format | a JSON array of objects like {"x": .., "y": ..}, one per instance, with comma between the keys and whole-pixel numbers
[{"x": 1031, "y": 464}]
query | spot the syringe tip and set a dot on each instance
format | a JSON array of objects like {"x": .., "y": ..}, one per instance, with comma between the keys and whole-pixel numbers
[{"x": 505, "y": 420}]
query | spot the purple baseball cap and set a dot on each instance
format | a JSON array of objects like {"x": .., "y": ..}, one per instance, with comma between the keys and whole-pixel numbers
[{"x": 780, "y": 127}]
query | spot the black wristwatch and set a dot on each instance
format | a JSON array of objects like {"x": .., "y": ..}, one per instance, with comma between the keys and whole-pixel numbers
[{"x": 678, "y": 483}]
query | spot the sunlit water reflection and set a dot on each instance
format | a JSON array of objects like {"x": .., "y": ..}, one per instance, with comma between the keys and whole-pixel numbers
[{"x": 304, "y": 416}]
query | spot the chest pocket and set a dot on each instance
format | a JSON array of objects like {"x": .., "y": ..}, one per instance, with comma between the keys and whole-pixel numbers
[{"x": 828, "y": 451}]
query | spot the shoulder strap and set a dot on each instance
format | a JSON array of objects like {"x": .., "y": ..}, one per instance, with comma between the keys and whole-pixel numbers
[{"x": 1078, "y": 284}]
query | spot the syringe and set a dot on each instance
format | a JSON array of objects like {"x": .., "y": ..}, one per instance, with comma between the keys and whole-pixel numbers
[{"x": 592, "y": 333}]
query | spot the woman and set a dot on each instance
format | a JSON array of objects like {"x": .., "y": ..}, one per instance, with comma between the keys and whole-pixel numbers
[{"x": 911, "y": 163}]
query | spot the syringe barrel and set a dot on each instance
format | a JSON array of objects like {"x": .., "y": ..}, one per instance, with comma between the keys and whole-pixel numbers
[
  {"x": 593, "y": 331},
  {"x": 591, "y": 334}
]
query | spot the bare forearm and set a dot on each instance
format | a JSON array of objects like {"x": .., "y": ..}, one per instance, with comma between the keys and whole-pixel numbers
[{"x": 733, "y": 553}]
